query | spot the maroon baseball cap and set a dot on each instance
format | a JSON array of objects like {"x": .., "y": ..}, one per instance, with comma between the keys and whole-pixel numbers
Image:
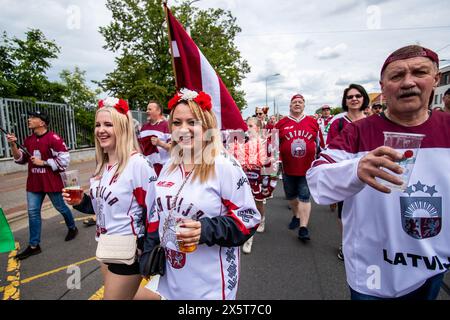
[
  {"x": 326, "y": 107},
  {"x": 297, "y": 96},
  {"x": 409, "y": 52}
]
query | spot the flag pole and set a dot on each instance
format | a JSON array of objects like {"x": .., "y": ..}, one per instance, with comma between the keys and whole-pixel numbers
[{"x": 170, "y": 44}]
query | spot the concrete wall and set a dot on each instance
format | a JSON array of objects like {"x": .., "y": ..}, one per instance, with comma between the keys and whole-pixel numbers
[{"x": 9, "y": 166}]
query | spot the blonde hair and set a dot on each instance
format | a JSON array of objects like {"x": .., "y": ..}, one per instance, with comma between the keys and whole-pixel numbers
[
  {"x": 126, "y": 141},
  {"x": 255, "y": 121},
  {"x": 212, "y": 142}
]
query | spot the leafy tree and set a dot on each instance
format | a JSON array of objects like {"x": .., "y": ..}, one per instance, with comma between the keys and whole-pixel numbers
[
  {"x": 23, "y": 66},
  {"x": 78, "y": 95},
  {"x": 7, "y": 85},
  {"x": 144, "y": 68},
  {"x": 32, "y": 61}
]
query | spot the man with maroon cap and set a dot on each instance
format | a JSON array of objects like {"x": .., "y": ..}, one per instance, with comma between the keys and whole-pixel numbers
[
  {"x": 396, "y": 243},
  {"x": 325, "y": 120},
  {"x": 47, "y": 156},
  {"x": 299, "y": 135}
]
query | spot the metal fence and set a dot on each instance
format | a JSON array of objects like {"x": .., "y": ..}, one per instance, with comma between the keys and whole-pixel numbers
[{"x": 13, "y": 118}]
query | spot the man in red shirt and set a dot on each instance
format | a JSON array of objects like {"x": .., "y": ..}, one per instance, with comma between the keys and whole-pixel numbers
[
  {"x": 154, "y": 137},
  {"x": 325, "y": 120},
  {"x": 299, "y": 136},
  {"x": 49, "y": 157}
]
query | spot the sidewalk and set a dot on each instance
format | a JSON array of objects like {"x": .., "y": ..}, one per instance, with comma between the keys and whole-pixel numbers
[{"x": 13, "y": 194}]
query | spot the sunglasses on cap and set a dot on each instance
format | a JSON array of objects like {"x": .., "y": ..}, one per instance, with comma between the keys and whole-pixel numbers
[
  {"x": 376, "y": 107},
  {"x": 357, "y": 96}
]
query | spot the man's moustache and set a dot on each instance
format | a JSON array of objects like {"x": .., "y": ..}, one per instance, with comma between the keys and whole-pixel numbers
[{"x": 409, "y": 93}]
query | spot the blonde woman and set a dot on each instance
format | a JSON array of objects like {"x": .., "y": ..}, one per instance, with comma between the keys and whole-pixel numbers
[
  {"x": 121, "y": 193},
  {"x": 208, "y": 187}
]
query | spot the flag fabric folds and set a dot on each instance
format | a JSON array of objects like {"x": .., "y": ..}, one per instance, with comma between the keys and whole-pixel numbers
[
  {"x": 194, "y": 72},
  {"x": 6, "y": 237}
]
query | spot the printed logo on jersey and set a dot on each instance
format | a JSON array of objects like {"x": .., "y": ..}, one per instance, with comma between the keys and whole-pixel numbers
[
  {"x": 241, "y": 182},
  {"x": 298, "y": 148},
  {"x": 176, "y": 259},
  {"x": 152, "y": 179},
  {"x": 165, "y": 184},
  {"x": 246, "y": 215},
  {"x": 232, "y": 268},
  {"x": 421, "y": 215}
]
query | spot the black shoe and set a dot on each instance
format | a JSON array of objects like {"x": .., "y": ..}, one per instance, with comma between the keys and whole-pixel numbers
[
  {"x": 294, "y": 224},
  {"x": 340, "y": 254},
  {"x": 303, "y": 233},
  {"x": 71, "y": 234},
  {"x": 28, "y": 252},
  {"x": 89, "y": 222}
]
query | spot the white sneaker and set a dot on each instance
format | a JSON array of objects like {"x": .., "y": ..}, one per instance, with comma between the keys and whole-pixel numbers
[
  {"x": 262, "y": 225},
  {"x": 247, "y": 247}
]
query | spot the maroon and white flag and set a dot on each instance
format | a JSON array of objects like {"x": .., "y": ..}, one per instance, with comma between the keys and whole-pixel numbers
[{"x": 194, "y": 72}]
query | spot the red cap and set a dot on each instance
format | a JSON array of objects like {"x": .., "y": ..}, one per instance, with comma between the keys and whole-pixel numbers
[
  {"x": 409, "y": 52},
  {"x": 297, "y": 96},
  {"x": 326, "y": 107}
]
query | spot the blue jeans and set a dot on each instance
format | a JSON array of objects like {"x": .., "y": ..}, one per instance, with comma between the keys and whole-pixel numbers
[
  {"x": 34, "y": 200},
  {"x": 428, "y": 291}
]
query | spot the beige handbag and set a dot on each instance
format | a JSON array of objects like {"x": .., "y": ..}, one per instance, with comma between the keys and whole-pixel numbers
[{"x": 116, "y": 249}]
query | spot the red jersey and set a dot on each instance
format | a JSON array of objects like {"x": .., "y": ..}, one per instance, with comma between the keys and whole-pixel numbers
[
  {"x": 298, "y": 143},
  {"x": 51, "y": 148},
  {"x": 157, "y": 156}
]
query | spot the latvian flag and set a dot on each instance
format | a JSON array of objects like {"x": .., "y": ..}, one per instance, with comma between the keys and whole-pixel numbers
[{"x": 194, "y": 72}]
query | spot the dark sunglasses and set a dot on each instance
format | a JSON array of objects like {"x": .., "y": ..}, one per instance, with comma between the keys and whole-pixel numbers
[
  {"x": 357, "y": 96},
  {"x": 259, "y": 113},
  {"x": 376, "y": 107}
]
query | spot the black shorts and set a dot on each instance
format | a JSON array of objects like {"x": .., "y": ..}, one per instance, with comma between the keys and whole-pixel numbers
[{"x": 124, "y": 269}]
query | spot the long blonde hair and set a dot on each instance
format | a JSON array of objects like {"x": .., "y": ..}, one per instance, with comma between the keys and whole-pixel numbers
[
  {"x": 212, "y": 142},
  {"x": 126, "y": 141}
]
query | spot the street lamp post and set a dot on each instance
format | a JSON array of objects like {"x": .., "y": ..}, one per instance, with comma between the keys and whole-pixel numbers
[{"x": 273, "y": 75}]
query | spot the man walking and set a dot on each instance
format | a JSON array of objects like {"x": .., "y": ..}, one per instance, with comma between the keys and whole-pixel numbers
[
  {"x": 49, "y": 157},
  {"x": 154, "y": 137},
  {"x": 299, "y": 136}
]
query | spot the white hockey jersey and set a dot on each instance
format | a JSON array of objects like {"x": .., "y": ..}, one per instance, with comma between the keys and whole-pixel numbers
[
  {"x": 226, "y": 208},
  {"x": 122, "y": 204},
  {"x": 392, "y": 242}
]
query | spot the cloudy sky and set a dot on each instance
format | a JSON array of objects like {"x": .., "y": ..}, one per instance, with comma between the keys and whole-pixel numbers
[{"x": 316, "y": 47}]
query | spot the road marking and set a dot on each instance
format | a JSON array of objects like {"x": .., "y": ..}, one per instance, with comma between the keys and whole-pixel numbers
[
  {"x": 98, "y": 295},
  {"x": 75, "y": 219},
  {"x": 55, "y": 270},
  {"x": 12, "y": 290}
]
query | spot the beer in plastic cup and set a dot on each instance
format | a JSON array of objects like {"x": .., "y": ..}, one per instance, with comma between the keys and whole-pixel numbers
[
  {"x": 72, "y": 185},
  {"x": 181, "y": 246},
  {"x": 408, "y": 144}
]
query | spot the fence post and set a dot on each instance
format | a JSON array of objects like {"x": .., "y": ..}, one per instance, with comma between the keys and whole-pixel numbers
[{"x": 4, "y": 146}]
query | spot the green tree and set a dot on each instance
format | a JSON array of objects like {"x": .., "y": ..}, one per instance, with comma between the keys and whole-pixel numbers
[
  {"x": 144, "y": 71},
  {"x": 7, "y": 86},
  {"x": 78, "y": 95},
  {"x": 31, "y": 58}
]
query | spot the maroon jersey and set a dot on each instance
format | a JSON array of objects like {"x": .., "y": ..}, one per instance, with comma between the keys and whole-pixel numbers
[
  {"x": 298, "y": 144},
  {"x": 51, "y": 148},
  {"x": 157, "y": 156},
  {"x": 336, "y": 128}
]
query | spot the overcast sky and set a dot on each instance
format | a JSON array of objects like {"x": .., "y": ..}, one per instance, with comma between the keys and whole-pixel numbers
[{"x": 316, "y": 47}]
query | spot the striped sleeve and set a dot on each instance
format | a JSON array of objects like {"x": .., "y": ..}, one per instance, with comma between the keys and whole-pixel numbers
[
  {"x": 60, "y": 155},
  {"x": 240, "y": 218},
  {"x": 333, "y": 176}
]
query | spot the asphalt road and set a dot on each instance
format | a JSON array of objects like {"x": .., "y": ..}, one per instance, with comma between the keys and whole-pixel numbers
[{"x": 280, "y": 267}]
